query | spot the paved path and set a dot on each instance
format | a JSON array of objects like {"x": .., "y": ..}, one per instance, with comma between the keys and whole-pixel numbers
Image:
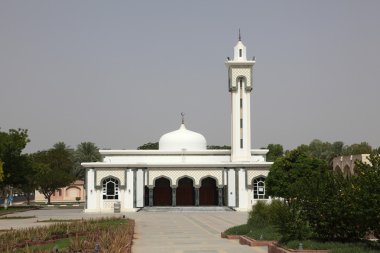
[
  {"x": 156, "y": 232},
  {"x": 188, "y": 232}
]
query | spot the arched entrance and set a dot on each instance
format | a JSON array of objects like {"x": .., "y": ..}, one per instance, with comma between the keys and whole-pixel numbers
[
  {"x": 347, "y": 171},
  {"x": 337, "y": 169},
  {"x": 146, "y": 196},
  {"x": 185, "y": 192},
  {"x": 208, "y": 193},
  {"x": 162, "y": 192}
]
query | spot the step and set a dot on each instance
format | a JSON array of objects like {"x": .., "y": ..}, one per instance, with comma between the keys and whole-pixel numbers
[{"x": 187, "y": 209}]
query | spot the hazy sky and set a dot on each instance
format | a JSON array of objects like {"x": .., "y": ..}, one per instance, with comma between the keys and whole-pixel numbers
[{"x": 119, "y": 73}]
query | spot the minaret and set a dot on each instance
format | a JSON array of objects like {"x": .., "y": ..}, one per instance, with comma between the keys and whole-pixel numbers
[{"x": 240, "y": 87}]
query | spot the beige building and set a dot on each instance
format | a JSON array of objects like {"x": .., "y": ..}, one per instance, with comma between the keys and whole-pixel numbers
[
  {"x": 346, "y": 164},
  {"x": 65, "y": 194}
]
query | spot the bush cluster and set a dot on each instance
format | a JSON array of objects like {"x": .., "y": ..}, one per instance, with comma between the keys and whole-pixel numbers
[{"x": 285, "y": 218}]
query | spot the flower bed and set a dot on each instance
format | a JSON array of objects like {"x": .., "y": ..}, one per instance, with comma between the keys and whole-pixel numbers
[{"x": 107, "y": 235}]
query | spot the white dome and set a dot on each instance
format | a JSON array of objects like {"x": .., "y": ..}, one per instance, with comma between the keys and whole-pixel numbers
[{"x": 182, "y": 139}]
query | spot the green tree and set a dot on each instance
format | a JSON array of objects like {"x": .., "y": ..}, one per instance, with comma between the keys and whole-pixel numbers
[
  {"x": 12, "y": 143},
  {"x": 327, "y": 203},
  {"x": 303, "y": 148},
  {"x": 85, "y": 152},
  {"x": 218, "y": 147},
  {"x": 318, "y": 149},
  {"x": 275, "y": 151},
  {"x": 323, "y": 150},
  {"x": 54, "y": 169},
  {"x": 149, "y": 146},
  {"x": 1, "y": 172},
  {"x": 288, "y": 172},
  {"x": 367, "y": 189},
  {"x": 330, "y": 204},
  {"x": 357, "y": 149},
  {"x": 29, "y": 179},
  {"x": 337, "y": 149}
]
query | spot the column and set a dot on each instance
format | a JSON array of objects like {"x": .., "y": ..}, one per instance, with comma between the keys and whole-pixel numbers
[
  {"x": 196, "y": 196},
  {"x": 140, "y": 188},
  {"x": 243, "y": 195},
  {"x": 220, "y": 196},
  {"x": 231, "y": 187},
  {"x": 129, "y": 194},
  {"x": 150, "y": 196},
  {"x": 174, "y": 196},
  {"x": 90, "y": 189}
]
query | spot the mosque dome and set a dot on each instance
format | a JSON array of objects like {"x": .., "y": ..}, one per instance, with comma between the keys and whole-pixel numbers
[{"x": 182, "y": 139}]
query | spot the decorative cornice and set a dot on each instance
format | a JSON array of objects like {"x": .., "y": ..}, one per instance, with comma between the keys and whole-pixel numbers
[
  {"x": 178, "y": 165},
  {"x": 118, "y": 152}
]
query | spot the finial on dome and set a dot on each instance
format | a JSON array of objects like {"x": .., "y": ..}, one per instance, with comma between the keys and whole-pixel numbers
[
  {"x": 183, "y": 117},
  {"x": 239, "y": 35}
]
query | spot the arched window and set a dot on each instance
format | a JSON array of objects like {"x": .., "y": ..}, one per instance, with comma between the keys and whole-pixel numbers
[
  {"x": 110, "y": 188},
  {"x": 259, "y": 188}
]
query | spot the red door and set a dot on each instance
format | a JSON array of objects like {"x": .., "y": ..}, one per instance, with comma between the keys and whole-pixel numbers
[
  {"x": 185, "y": 192},
  {"x": 208, "y": 193},
  {"x": 162, "y": 193}
]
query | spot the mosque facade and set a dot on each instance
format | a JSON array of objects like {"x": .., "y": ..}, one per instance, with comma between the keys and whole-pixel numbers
[{"x": 183, "y": 172}]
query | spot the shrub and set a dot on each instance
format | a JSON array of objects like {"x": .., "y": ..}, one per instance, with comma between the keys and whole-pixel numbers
[
  {"x": 238, "y": 230},
  {"x": 260, "y": 214},
  {"x": 280, "y": 216},
  {"x": 337, "y": 247},
  {"x": 290, "y": 222}
]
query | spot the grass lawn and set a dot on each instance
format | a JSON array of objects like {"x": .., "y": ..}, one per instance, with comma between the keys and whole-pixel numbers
[
  {"x": 57, "y": 245},
  {"x": 16, "y": 217},
  {"x": 62, "y": 204},
  {"x": 14, "y": 209},
  {"x": 59, "y": 220},
  {"x": 337, "y": 247},
  {"x": 268, "y": 233}
]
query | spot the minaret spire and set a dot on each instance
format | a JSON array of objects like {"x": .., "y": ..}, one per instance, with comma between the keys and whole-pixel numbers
[
  {"x": 240, "y": 86},
  {"x": 183, "y": 117}
]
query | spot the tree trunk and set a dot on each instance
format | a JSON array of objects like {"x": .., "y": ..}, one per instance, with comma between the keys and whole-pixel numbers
[
  {"x": 48, "y": 196},
  {"x": 5, "y": 202},
  {"x": 28, "y": 198}
]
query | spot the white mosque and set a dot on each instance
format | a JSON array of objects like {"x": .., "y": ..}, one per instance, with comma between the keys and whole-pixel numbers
[{"x": 183, "y": 172}]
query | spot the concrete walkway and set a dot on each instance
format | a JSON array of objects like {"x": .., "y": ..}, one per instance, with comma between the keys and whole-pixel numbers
[
  {"x": 176, "y": 232},
  {"x": 188, "y": 232}
]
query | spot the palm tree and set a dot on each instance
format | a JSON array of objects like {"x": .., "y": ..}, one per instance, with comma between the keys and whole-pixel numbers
[{"x": 85, "y": 152}]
